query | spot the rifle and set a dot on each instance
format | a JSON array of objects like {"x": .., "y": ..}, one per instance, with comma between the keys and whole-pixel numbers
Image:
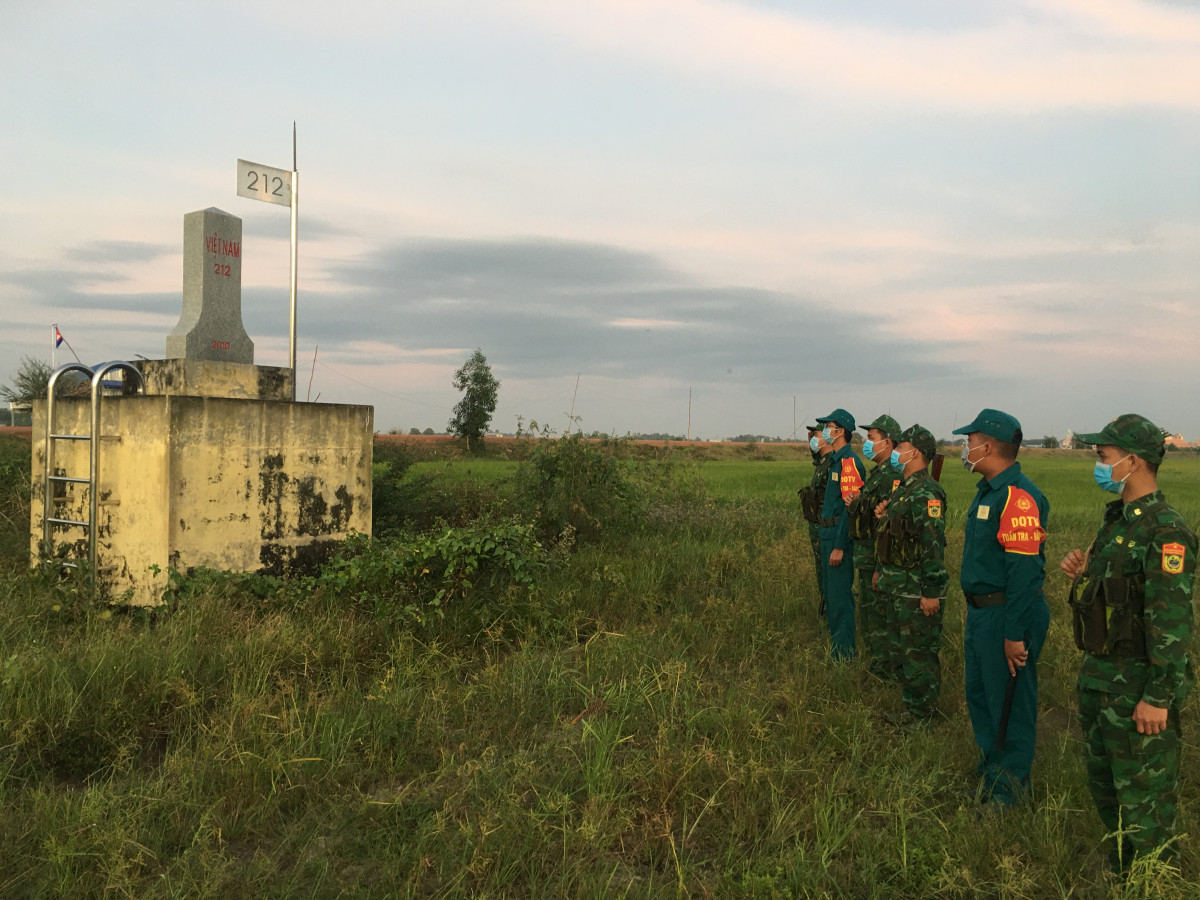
[{"x": 936, "y": 468}]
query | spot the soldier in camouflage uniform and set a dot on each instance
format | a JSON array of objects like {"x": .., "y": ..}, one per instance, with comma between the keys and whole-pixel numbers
[
  {"x": 810, "y": 502},
  {"x": 882, "y": 435},
  {"x": 1131, "y": 604},
  {"x": 911, "y": 574}
]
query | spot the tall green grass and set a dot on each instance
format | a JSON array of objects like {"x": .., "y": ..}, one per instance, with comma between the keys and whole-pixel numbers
[{"x": 672, "y": 729}]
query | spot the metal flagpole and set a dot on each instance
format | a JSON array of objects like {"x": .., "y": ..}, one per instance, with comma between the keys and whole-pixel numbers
[{"x": 295, "y": 214}]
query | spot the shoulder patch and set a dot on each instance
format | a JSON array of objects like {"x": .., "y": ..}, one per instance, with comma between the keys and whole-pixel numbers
[
  {"x": 895, "y": 483},
  {"x": 934, "y": 508},
  {"x": 1172, "y": 558},
  {"x": 850, "y": 481},
  {"x": 1021, "y": 528}
]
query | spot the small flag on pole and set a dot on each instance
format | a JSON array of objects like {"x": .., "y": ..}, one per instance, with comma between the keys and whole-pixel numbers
[{"x": 58, "y": 338}]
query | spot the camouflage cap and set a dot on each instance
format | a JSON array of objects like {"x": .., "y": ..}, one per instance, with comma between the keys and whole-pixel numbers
[
  {"x": 1132, "y": 433},
  {"x": 887, "y": 425},
  {"x": 921, "y": 438},
  {"x": 841, "y": 418},
  {"x": 995, "y": 423}
]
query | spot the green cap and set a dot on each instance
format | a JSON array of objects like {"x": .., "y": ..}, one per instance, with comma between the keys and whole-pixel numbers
[
  {"x": 995, "y": 423},
  {"x": 841, "y": 418},
  {"x": 921, "y": 438},
  {"x": 1132, "y": 433},
  {"x": 887, "y": 425},
  {"x": 813, "y": 429}
]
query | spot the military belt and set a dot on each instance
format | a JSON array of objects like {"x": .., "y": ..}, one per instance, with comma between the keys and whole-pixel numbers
[
  {"x": 982, "y": 601},
  {"x": 827, "y": 523}
]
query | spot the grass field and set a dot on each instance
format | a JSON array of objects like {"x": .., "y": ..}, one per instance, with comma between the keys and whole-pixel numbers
[{"x": 655, "y": 718}]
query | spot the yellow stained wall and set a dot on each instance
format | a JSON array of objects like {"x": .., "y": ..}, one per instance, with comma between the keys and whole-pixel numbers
[{"x": 229, "y": 484}]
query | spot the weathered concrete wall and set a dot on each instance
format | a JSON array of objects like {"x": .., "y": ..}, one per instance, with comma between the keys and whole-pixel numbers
[
  {"x": 206, "y": 378},
  {"x": 237, "y": 485}
]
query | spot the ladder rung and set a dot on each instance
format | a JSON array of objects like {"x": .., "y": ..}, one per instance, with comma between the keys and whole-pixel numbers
[
  {"x": 72, "y": 480},
  {"x": 71, "y": 437},
  {"x": 70, "y": 522}
]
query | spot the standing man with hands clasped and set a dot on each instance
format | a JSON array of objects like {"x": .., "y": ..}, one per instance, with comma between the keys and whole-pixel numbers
[
  {"x": 837, "y": 550},
  {"x": 1131, "y": 606},
  {"x": 1002, "y": 576}
]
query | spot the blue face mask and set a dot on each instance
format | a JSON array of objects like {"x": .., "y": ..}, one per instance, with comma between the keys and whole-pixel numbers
[
  {"x": 825, "y": 436},
  {"x": 1102, "y": 474},
  {"x": 814, "y": 444},
  {"x": 869, "y": 449},
  {"x": 894, "y": 459}
]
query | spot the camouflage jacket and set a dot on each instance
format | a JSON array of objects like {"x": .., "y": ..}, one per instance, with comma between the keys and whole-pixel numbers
[
  {"x": 816, "y": 484},
  {"x": 879, "y": 486},
  {"x": 1161, "y": 562},
  {"x": 911, "y": 541},
  {"x": 845, "y": 479}
]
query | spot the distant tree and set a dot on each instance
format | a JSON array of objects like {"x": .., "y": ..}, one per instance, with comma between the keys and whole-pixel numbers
[
  {"x": 473, "y": 413},
  {"x": 427, "y": 431},
  {"x": 414, "y": 431},
  {"x": 1050, "y": 442},
  {"x": 33, "y": 375}
]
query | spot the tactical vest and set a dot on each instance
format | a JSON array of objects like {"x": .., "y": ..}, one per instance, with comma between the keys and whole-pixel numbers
[
  {"x": 1107, "y": 613},
  {"x": 899, "y": 540},
  {"x": 862, "y": 517},
  {"x": 811, "y": 498}
]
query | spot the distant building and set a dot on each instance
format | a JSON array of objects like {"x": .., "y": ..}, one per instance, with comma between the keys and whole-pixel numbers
[
  {"x": 1177, "y": 441},
  {"x": 1068, "y": 443}
]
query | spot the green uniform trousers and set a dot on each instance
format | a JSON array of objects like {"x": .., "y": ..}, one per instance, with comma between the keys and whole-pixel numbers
[
  {"x": 838, "y": 583},
  {"x": 873, "y": 615},
  {"x": 814, "y": 538},
  {"x": 1005, "y": 772},
  {"x": 916, "y": 653},
  {"x": 1132, "y": 777}
]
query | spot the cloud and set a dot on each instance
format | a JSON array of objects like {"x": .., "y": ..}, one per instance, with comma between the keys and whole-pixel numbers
[
  {"x": 119, "y": 251},
  {"x": 1047, "y": 54}
]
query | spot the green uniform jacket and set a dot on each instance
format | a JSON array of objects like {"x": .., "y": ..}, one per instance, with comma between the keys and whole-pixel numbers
[
  {"x": 1004, "y": 546},
  {"x": 1166, "y": 558},
  {"x": 846, "y": 474},
  {"x": 917, "y": 510},
  {"x": 880, "y": 484}
]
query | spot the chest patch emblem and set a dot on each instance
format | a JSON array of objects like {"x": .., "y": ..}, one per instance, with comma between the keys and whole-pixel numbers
[
  {"x": 1172, "y": 558},
  {"x": 934, "y": 508},
  {"x": 983, "y": 512}
]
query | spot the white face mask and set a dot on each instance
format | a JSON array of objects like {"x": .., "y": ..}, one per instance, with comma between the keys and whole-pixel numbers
[{"x": 966, "y": 458}]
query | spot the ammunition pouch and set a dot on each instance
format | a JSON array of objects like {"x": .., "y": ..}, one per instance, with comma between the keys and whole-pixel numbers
[
  {"x": 1107, "y": 615},
  {"x": 811, "y": 498},
  {"x": 862, "y": 518},
  {"x": 899, "y": 542}
]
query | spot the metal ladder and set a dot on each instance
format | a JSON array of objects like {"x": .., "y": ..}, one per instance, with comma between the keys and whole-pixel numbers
[{"x": 49, "y": 520}]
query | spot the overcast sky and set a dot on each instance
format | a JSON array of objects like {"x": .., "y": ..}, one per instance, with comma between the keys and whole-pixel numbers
[{"x": 922, "y": 208}]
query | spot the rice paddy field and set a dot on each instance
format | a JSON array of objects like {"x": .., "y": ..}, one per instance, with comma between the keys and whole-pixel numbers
[{"x": 639, "y": 705}]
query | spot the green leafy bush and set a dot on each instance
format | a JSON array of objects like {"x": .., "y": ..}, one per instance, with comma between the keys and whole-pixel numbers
[{"x": 578, "y": 483}]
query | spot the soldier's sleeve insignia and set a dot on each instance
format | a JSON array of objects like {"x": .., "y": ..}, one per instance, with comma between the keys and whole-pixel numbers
[
  {"x": 934, "y": 508},
  {"x": 850, "y": 481},
  {"x": 895, "y": 483},
  {"x": 1172, "y": 558},
  {"x": 1021, "y": 528}
]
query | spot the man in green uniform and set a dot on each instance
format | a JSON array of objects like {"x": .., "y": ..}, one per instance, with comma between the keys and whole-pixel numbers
[
  {"x": 837, "y": 550},
  {"x": 1131, "y": 604},
  {"x": 882, "y": 435},
  {"x": 1002, "y": 576},
  {"x": 811, "y": 498},
  {"x": 911, "y": 574}
]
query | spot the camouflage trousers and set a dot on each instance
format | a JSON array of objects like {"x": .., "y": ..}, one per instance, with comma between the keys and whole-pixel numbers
[
  {"x": 873, "y": 626},
  {"x": 814, "y": 538},
  {"x": 1132, "y": 777},
  {"x": 915, "y": 642}
]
